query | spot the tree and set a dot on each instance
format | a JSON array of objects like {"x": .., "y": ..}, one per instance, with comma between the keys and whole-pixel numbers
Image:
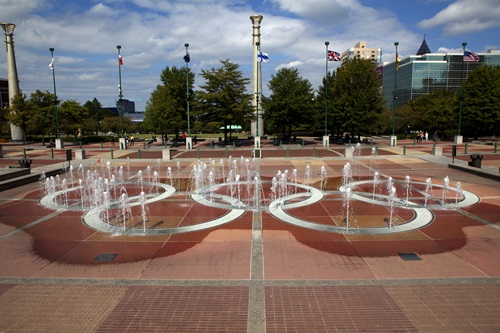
[
  {"x": 72, "y": 116},
  {"x": 290, "y": 102},
  {"x": 357, "y": 101},
  {"x": 166, "y": 109},
  {"x": 43, "y": 117},
  {"x": 481, "y": 99},
  {"x": 222, "y": 100},
  {"x": 441, "y": 110},
  {"x": 333, "y": 115},
  {"x": 20, "y": 112}
]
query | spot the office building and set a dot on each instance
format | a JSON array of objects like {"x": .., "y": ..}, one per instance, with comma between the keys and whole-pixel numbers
[
  {"x": 360, "y": 51},
  {"x": 420, "y": 75}
]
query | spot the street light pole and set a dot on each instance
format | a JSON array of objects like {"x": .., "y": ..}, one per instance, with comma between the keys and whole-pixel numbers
[
  {"x": 120, "y": 91},
  {"x": 58, "y": 135},
  {"x": 464, "y": 44},
  {"x": 326, "y": 140},
  {"x": 395, "y": 96}
]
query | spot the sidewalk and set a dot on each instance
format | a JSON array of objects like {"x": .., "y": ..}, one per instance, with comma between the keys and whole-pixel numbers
[{"x": 256, "y": 273}]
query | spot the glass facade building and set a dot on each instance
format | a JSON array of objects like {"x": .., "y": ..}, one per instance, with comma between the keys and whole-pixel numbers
[{"x": 422, "y": 75}]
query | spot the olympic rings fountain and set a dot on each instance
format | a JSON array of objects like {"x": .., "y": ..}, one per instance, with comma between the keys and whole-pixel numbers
[{"x": 222, "y": 186}]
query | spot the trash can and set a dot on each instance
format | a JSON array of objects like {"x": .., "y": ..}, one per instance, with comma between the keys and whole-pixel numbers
[
  {"x": 25, "y": 163},
  {"x": 475, "y": 160},
  {"x": 68, "y": 154}
]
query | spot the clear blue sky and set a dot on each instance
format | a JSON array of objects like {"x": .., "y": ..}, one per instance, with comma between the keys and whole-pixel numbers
[{"x": 152, "y": 34}]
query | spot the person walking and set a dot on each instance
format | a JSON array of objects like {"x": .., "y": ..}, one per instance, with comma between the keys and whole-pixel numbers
[
  {"x": 426, "y": 136},
  {"x": 112, "y": 140}
]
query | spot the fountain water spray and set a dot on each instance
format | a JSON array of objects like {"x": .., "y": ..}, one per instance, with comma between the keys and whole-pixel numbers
[
  {"x": 428, "y": 190},
  {"x": 446, "y": 184},
  {"x": 459, "y": 192}
]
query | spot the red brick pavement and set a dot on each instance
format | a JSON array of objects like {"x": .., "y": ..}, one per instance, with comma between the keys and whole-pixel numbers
[{"x": 202, "y": 281}]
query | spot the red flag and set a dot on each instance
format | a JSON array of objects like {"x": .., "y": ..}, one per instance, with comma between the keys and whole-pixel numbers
[{"x": 120, "y": 59}]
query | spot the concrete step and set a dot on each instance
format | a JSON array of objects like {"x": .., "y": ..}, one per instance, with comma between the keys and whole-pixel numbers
[{"x": 23, "y": 176}]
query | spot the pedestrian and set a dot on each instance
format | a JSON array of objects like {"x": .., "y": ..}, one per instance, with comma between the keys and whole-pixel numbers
[
  {"x": 184, "y": 136},
  {"x": 112, "y": 140},
  {"x": 421, "y": 136},
  {"x": 435, "y": 137},
  {"x": 426, "y": 136},
  {"x": 132, "y": 140}
]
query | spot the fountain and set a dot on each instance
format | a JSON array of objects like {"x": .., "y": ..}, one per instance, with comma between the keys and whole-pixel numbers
[{"x": 236, "y": 186}]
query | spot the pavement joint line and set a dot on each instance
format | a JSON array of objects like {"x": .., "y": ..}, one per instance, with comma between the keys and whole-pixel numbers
[
  {"x": 24, "y": 227},
  {"x": 480, "y": 219},
  {"x": 256, "y": 293},
  {"x": 248, "y": 283}
]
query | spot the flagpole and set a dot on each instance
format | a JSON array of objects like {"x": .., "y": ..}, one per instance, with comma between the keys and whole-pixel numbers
[
  {"x": 186, "y": 45},
  {"x": 120, "y": 96},
  {"x": 464, "y": 44},
  {"x": 55, "y": 93},
  {"x": 395, "y": 96},
  {"x": 326, "y": 91},
  {"x": 259, "y": 63}
]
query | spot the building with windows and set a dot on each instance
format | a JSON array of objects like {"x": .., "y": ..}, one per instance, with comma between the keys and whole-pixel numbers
[
  {"x": 419, "y": 75},
  {"x": 360, "y": 51},
  {"x": 4, "y": 93}
]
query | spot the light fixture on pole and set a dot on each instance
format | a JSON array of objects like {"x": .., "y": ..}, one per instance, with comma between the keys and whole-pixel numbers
[
  {"x": 464, "y": 44},
  {"x": 395, "y": 96},
  {"x": 120, "y": 91},
  {"x": 58, "y": 134},
  {"x": 187, "y": 58}
]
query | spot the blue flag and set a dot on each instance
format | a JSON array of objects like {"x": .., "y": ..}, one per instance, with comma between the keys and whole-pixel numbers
[{"x": 263, "y": 57}]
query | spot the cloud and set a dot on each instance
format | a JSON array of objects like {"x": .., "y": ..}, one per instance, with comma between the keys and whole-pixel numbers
[
  {"x": 12, "y": 10},
  {"x": 465, "y": 16}
]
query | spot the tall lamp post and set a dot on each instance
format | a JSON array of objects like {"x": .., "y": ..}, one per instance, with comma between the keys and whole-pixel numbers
[
  {"x": 326, "y": 140},
  {"x": 123, "y": 142},
  {"x": 59, "y": 144},
  {"x": 187, "y": 59},
  {"x": 395, "y": 97},
  {"x": 459, "y": 137}
]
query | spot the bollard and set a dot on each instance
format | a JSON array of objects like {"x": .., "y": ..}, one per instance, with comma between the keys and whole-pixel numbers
[
  {"x": 376, "y": 150},
  {"x": 345, "y": 151},
  {"x": 496, "y": 147},
  {"x": 404, "y": 150},
  {"x": 198, "y": 153},
  {"x": 302, "y": 143},
  {"x": 80, "y": 144},
  {"x": 281, "y": 144},
  {"x": 227, "y": 153},
  {"x": 314, "y": 152},
  {"x": 371, "y": 143},
  {"x": 287, "y": 151},
  {"x": 234, "y": 146},
  {"x": 414, "y": 141},
  {"x": 466, "y": 148},
  {"x": 144, "y": 143},
  {"x": 51, "y": 152},
  {"x": 111, "y": 151},
  {"x": 24, "y": 152},
  {"x": 101, "y": 145},
  {"x": 139, "y": 153}
]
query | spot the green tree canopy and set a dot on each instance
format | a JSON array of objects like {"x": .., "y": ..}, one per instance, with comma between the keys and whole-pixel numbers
[
  {"x": 222, "y": 100},
  {"x": 290, "y": 103},
  {"x": 481, "y": 99},
  {"x": 357, "y": 100},
  {"x": 321, "y": 105},
  {"x": 20, "y": 112},
  {"x": 166, "y": 109},
  {"x": 71, "y": 117}
]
